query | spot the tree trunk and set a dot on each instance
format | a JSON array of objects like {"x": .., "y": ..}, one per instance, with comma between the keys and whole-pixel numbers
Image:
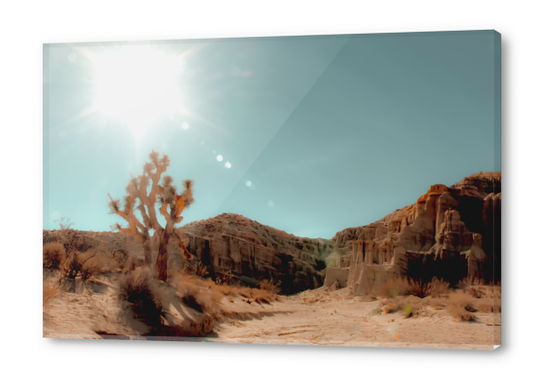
[
  {"x": 147, "y": 252},
  {"x": 161, "y": 260}
]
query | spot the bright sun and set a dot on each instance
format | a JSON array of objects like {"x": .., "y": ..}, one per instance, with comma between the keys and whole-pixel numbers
[{"x": 137, "y": 85}]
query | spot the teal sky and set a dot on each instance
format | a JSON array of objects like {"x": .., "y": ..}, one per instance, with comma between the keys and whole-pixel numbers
[{"x": 322, "y": 132}]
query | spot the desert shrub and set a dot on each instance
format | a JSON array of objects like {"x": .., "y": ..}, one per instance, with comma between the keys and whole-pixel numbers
[
  {"x": 189, "y": 294},
  {"x": 93, "y": 263},
  {"x": 460, "y": 306},
  {"x": 262, "y": 296},
  {"x": 470, "y": 281},
  {"x": 395, "y": 287},
  {"x": 194, "y": 268},
  {"x": 197, "y": 293},
  {"x": 225, "y": 278},
  {"x": 412, "y": 306},
  {"x": 391, "y": 305},
  {"x": 392, "y": 288},
  {"x": 142, "y": 291},
  {"x": 49, "y": 292},
  {"x": 72, "y": 265},
  {"x": 201, "y": 270},
  {"x": 437, "y": 287},
  {"x": 475, "y": 291},
  {"x": 54, "y": 254},
  {"x": 64, "y": 223},
  {"x": 417, "y": 288},
  {"x": 478, "y": 289},
  {"x": 270, "y": 286}
]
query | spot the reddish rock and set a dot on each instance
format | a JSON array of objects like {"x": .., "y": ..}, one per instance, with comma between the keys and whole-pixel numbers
[
  {"x": 252, "y": 250},
  {"x": 450, "y": 232}
]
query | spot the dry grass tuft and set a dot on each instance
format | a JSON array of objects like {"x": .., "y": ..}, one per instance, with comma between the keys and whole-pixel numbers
[
  {"x": 143, "y": 294},
  {"x": 54, "y": 254},
  {"x": 194, "y": 268},
  {"x": 473, "y": 296},
  {"x": 96, "y": 264},
  {"x": 71, "y": 266},
  {"x": 437, "y": 288},
  {"x": 392, "y": 305},
  {"x": 460, "y": 306},
  {"x": 197, "y": 293},
  {"x": 88, "y": 264},
  {"x": 395, "y": 287},
  {"x": 411, "y": 305},
  {"x": 270, "y": 286},
  {"x": 479, "y": 290}
]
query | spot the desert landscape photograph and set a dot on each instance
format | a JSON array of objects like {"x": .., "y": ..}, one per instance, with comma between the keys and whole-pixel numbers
[{"x": 336, "y": 190}]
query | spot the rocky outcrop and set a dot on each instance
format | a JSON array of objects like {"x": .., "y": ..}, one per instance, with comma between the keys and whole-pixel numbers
[
  {"x": 450, "y": 232},
  {"x": 252, "y": 251}
]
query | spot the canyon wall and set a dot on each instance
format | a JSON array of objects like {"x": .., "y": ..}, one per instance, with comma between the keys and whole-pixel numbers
[{"x": 449, "y": 233}]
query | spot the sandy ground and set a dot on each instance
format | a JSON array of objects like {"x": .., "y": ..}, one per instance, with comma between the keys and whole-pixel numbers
[
  {"x": 316, "y": 317},
  {"x": 340, "y": 319}
]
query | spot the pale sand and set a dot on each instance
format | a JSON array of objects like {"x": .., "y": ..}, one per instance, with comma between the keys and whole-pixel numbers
[
  {"x": 335, "y": 319},
  {"x": 340, "y": 319}
]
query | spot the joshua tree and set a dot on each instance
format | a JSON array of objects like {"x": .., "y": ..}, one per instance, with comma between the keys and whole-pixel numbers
[{"x": 170, "y": 204}]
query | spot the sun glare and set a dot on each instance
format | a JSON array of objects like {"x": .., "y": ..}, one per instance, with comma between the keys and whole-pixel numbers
[{"x": 137, "y": 85}]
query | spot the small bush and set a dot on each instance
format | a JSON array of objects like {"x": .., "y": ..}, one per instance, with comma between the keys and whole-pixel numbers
[
  {"x": 412, "y": 306},
  {"x": 270, "y": 286},
  {"x": 53, "y": 255},
  {"x": 95, "y": 264},
  {"x": 262, "y": 296},
  {"x": 194, "y": 268},
  {"x": 141, "y": 290},
  {"x": 460, "y": 306},
  {"x": 71, "y": 265},
  {"x": 198, "y": 294},
  {"x": 478, "y": 289},
  {"x": 391, "y": 305},
  {"x": 419, "y": 289},
  {"x": 438, "y": 288},
  {"x": 395, "y": 287}
]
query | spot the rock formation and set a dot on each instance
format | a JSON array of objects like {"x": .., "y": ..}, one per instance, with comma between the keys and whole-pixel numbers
[
  {"x": 449, "y": 233},
  {"x": 252, "y": 251}
]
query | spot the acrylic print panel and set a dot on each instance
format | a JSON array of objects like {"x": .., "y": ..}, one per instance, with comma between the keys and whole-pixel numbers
[{"x": 312, "y": 190}]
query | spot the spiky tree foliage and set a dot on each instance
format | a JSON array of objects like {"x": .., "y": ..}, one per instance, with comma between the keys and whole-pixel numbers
[{"x": 139, "y": 198}]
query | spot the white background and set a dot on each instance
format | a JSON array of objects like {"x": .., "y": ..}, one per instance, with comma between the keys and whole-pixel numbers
[{"x": 24, "y": 26}]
